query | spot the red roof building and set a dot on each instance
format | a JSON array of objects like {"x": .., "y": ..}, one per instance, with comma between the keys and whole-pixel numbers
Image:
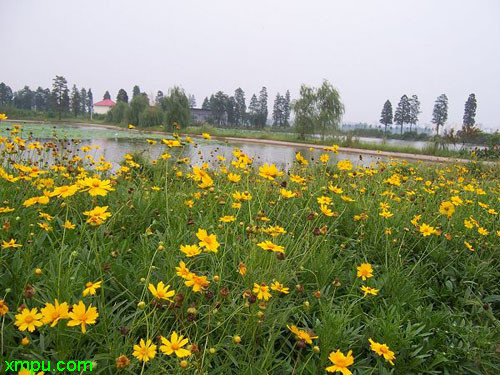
[{"x": 103, "y": 106}]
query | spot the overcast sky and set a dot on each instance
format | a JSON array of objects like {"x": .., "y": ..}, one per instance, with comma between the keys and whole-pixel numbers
[{"x": 371, "y": 50}]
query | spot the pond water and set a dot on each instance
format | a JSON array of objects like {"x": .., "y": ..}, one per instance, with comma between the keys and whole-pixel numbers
[{"x": 114, "y": 144}]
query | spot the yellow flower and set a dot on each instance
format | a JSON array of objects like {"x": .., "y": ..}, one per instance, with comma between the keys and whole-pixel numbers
[
  {"x": 307, "y": 336},
  {"x": 301, "y": 159},
  {"x": 175, "y": 345},
  {"x": 482, "y": 231},
  {"x": 233, "y": 177},
  {"x": 97, "y": 215},
  {"x": 386, "y": 214},
  {"x": 11, "y": 243},
  {"x": 345, "y": 165},
  {"x": 206, "y": 136},
  {"x": 4, "y": 308},
  {"x": 369, "y": 290},
  {"x": 326, "y": 211},
  {"x": 269, "y": 172},
  {"x": 287, "y": 194},
  {"x": 130, "y": 126},
  {"x": 161, "y": 291},
  {"x": 340, "y": 362},
  {"x": 279, "y": 288},
  {"x": 196, "y": 282},
  {"x": 415, "y": 219},
  {"x": 324, "y": 158},
  {"x": 268, "y": 245},
  {"x": 36, "y": 200},
  {"x": 182, "y": 270},
  {"x": 242, "y": 269},
  {"x": 427, "y": 230},
  {"x": 64, "y": 191},
  {"x": 53, "y": 313},
  {"x": 90, "y": 288},
  {"x": 447, "y": 208},
  {"x": 227, "y": 219},
  {"x": 190, "y": 250},
  {"x": 28, "y": 319},
  {"x": 95, "y": 186},
  {"x": 209, "y": 242},
  {"x": 365, "y": 271},
  {"x": 382, "y": 350},
  {"x": 82, "y": 316},
  {"x": 262, "y": 291},
  {"x": 144, "y": 351},
  {"x": 69, "y": 225},
  {"x": 469, "y": 246}
]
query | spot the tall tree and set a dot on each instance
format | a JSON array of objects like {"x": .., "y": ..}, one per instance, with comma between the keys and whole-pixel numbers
[
  {"x": 286, "y": 109},
  {"x": 440, "y": 112},
  {"x": 240, "y": 108},
  {"x": 470, "y": 111},
  {"x": 278, "y": 110},
  {"x": 24, "y": 98},
  {"x": 176, "y": 107},
  {"x": 330, "y": 107},
  {"x": 305, "y": 111},
  {"x": 192, "y": 101},
  {"x": 402, "y": 114},
  {"x": 75, "y": 101},
  {"x": 5, "y": 95},
  {"x": 42, "y": 98},
  {"x": 414, "y": 110},
  {"x": 206, "y": 104},
  {"x": 122, "y": 96},
  {"x": 262, "y": 118},
  {"x": 386, "y": 115},
  {"x": 218, "y": 106},
  {"x": 83, "y": 102},
  {"x": 135, "y": 91},
  {"x": 106, "y": 95},
  {"x": 60, "y": 96},
  {"x": 90, "y": 102},
  {"x": 254, "y": 109}
]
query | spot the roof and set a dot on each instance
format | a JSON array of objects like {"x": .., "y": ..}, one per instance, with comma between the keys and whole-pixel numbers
[{"x": 105, "y": 103}]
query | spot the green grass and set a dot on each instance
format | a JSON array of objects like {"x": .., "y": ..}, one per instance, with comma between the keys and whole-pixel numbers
[{"x": 437, "y": 306}]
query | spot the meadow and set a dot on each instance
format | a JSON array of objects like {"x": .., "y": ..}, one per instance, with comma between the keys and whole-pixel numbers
[{"x": 228, "y": 267}]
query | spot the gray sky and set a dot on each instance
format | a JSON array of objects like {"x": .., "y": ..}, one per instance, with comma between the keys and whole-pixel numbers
[{"x": 371, "y": 50}]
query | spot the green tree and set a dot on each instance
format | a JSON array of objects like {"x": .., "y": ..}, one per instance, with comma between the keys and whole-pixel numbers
[
  {"x": 135, "y": 91},
  {"x": 218, "y": 106},
  {"x": 119, "y": 113},
  {"x": 414, "y": 110},
  {"x": 176, "y": 107},
  {"x": 402, "y": 114},
  {"x": 206, "y": 104},
  {"x": 83, "y": 99},
  {"x": 90, "y": 102},
  {"x": 106, "y": 95},
  {"x": 192, "y": 101},
  {"x": 60, "y": 96},
  {"x": 24, "y": 98},
  {"x": 286, "y": 109},
  {"x": 278, "y": 111},
  {"x": 122, "y": 96},
  {"x": 254, "y": 109},
  {"x": 151, "y": 116},
  {"x": 263, "y": 112},
  {"x": 6, "y": 95},
  {"x": 42, "y": 99},
  {"x": 386, "y": 115},
  {"x": 137, "y": 105},
  {"x": 330, "y": 108},
  {"x": 440, "y": 112},
  {"x": 470, "y": 111},
  {"x": 305, "y": 111},
  {"x": 76, "y": 104},
  {"x": 240, "y": 109}
]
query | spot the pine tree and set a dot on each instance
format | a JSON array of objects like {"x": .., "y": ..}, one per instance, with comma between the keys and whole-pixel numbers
[
  {"x": 402, "y": 114},
  {"x": 192, "y": 101},
  {"x": 122, "y": 96},
  {"x": 135, "y": 91},
  {"x": 262, "y": 119},
  {"x": 106, "y": 95},
  {"x": 75, "y": 101},
  {"x": 254, "y": 109},
  {"x": 440, "y": 112},
  {"x": 240, "y": 107},
  {"x": 60, "y": 97},
  {"x": 206, "y": 104},
  {"x": 470, "y": 111},
  {"x": 286, "y": 109},
  {"x": 90, "y": 102},
  {"x": 6, "y": 95},
  {"x": 83, "y": 104},
  {"x": 218, "y": 106},
  {"x": 230, "y": 110},
  {"x": 42, "y": 98},
  {"x": 414, "y": 110},
  {"x": 386, "y": 115},
  {"x": 278, "y": 111}
]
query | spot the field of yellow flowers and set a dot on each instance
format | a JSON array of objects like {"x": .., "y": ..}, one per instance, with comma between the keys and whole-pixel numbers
[{"x": 163, "y": 267}]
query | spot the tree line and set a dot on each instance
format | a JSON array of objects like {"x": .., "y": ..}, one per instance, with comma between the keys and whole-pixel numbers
[
  {"x": 408, "y": 110},
  {"x": 57, "y": 101}
]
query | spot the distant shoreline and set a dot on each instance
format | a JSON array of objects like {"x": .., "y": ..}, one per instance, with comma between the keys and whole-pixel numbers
[{"x": 361, "y": 151}]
